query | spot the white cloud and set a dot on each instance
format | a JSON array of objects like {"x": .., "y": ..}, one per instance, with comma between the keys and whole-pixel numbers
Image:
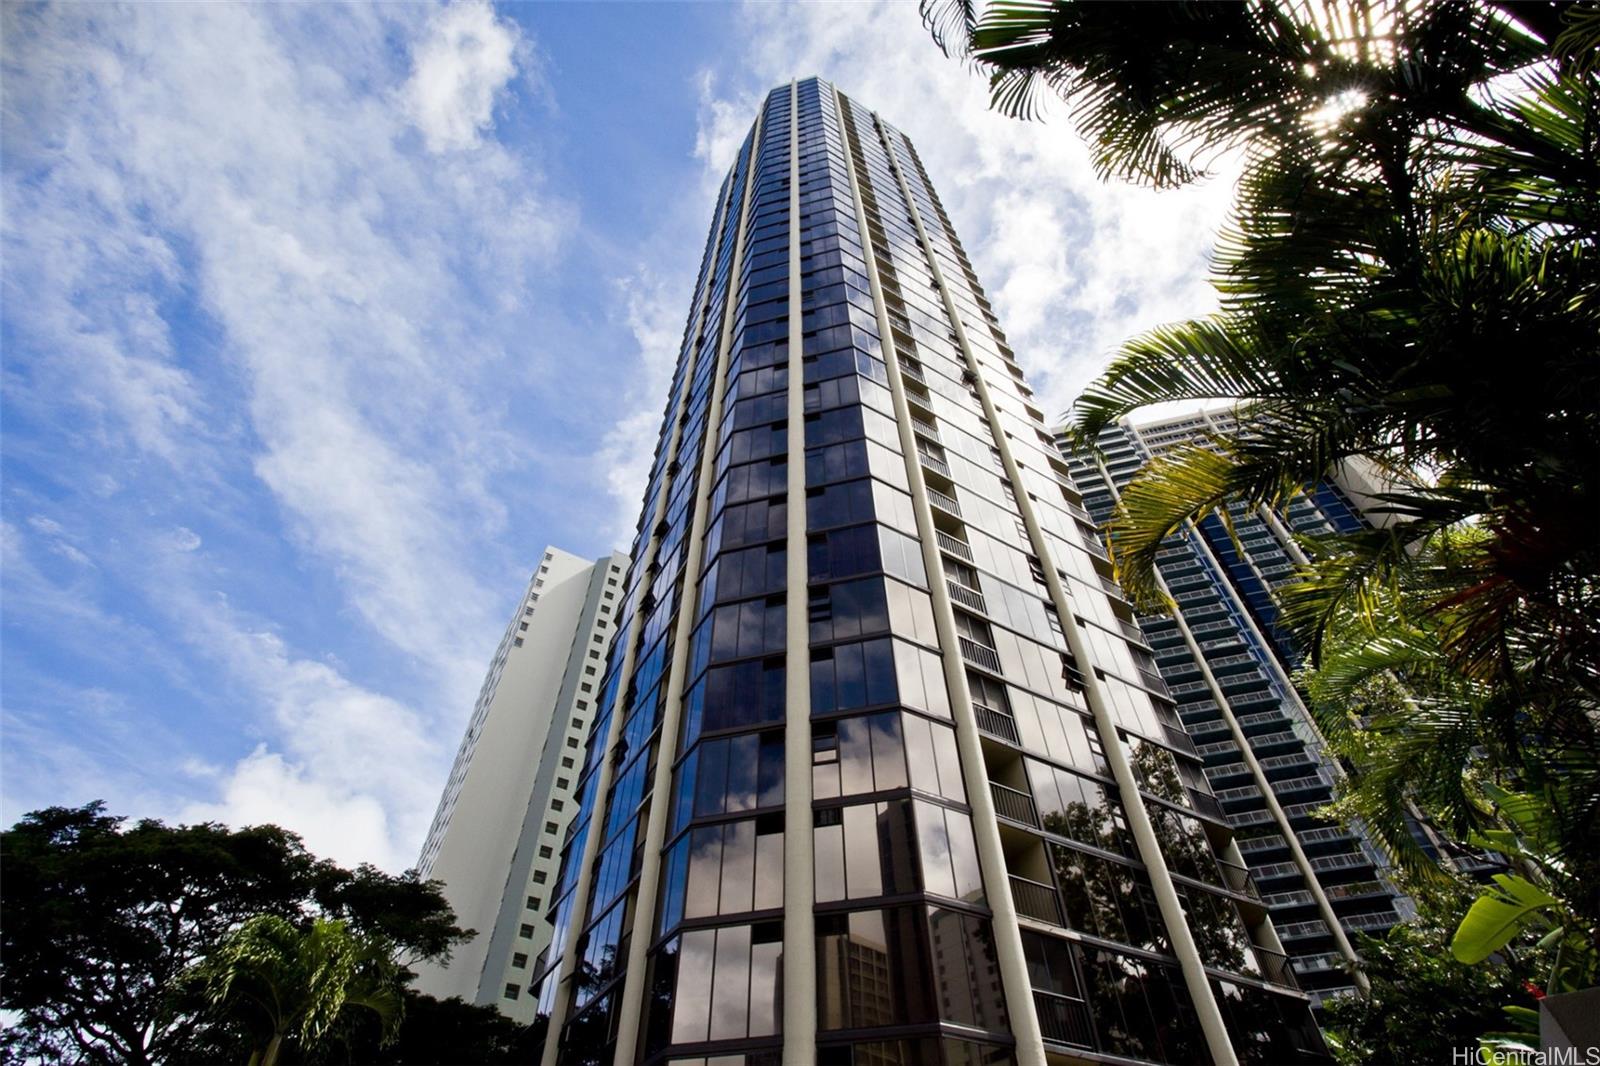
[
  {"x": 352, "y": 771},
  {"x": 457, "y": 73},
  {"x": 655, "y": 311},
  {"x": 240, "y": 259}
]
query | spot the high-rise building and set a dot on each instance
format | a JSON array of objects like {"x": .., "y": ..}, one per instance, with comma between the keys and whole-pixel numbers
[
  {"x": 496, "y": 839},
  {"x": 881, "y": 770},
  {"x": 1228, "y": 663}
]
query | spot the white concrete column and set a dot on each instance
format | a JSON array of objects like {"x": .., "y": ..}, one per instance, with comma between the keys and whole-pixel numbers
[
  {"x": 985, "y": 827},
  {"x": 1183, "y": 943},
  {"x": 799, "y": 888}
]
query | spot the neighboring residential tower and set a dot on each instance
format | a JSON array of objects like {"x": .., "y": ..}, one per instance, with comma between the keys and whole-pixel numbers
[
  {"x": 1228, "y": 663},
  {"x": 881, "y": 771},
  {"x": 496, "y": 839}
]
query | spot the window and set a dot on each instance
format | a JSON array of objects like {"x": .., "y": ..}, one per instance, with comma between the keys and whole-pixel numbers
[
  {"x": 526, "y": 930},
  {"x": 852, "y": 675},
  {"x": 1079, "y": 808},
  {"x": 586, "y": 687},
  {"x": 1108, "y": 899},
  {"x": 546, "y": 851},
  {"x": 533, "y": 903},
  {"x": 577, "y": 723},
  {"x": 598, "y": 639},
  {"x": 518, "y": 642},
  {"x": 522, "y": 626},
  {"x": 589, "y": 670},
  {"x": 862, "y": 851},
  {"x": 719, "y": 984},
  {"x": 852, "y": 756},
  {"x": 566, "y": 762},
  {"x": 519, "y": 961},
  {"x": 562, "y": 782},
  {"x": 556, "y": 805},
  {"x": 551, "y": 827},
  {"x": 729, "y": 775},
  {"x": 539, "y": 877},
  {"x": 512, "y": 992},
  {"x": 572, "y": 742},
  {"x": 743, "y": 694},
  {"x": 730, "y": 868}
]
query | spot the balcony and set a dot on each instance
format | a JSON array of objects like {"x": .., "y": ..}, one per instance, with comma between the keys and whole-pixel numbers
[
  {"x": 959, "y": 548},
  {"x": 912, "y": 371},
  {"x": 1356, "y": 890},
  {"x": 1179, "y": 739},
  {"x": 1326, "y": 963},
  {"x": 1238, "y": 878},
  {"x": 934, "y": 463},
  {"x": 1014, "y": 805},
  {"x": 924, "y": 428},
  {"x": 980, "y": 655},
  {"x": 996, "y": 723},
  {"x": 1205, "y": 804},
  {"x": 1366, "y": 922},
  {"x": 1035, "y": 900},
  {"x": 1063, "y": 1019},
  {"x": 947, "y": 504},
  {"x": 1275, "y": 967},
  {"x": 1349, "y": 860},
  {"x": 968, "y": 598},
  {"x": 1256, "y": 845}
]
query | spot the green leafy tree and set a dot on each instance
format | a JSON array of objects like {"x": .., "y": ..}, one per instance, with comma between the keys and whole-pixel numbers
[
  {"x": 1410, "y": 285},
  {"x": 432, "y": 1032},
  {"x": 1424, "y": 1003},
  {"x": 98, "y": 919},
  {"x": 276, "y": 981}
]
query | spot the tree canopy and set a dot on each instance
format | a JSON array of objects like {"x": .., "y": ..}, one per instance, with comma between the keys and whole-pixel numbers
[{"x": 100, "y": 920}]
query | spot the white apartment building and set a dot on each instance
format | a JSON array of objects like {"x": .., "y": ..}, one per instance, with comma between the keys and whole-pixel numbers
[{"x": 496, "y": 839}]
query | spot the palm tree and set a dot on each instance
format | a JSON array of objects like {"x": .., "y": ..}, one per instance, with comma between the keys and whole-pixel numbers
[
  {"x": 280, "y": 982},
  {"x": 1409, "y": 281}
]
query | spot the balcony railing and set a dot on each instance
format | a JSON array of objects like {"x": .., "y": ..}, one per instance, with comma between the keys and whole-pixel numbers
[
  {"x": 934, "y": 463},
  {"x": 925, "y": 428},
  {"x": 953, "y": 546},
  {"x": 1035, "y": 900},
  {"x": 943, "y": 502},
  {"x": 1063, "y": 1019},
  {"x": 966, "y": 597},
  {"x": 1275, "y": 967},
  {"x": 1179, "y": 739},
  {"x": 912, "y": 371},
  {"x": 1375, "y": 920},
  {"x": 1014, "y": 804},
  {"x": 979, "y": 654},
  {"x": 1205, "y": 804},
  {"x": 1238, "y": 878},
  {"x": 995, "y": 723}
]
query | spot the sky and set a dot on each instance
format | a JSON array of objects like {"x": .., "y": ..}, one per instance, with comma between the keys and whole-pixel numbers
[{"x": 319, "y": 322}]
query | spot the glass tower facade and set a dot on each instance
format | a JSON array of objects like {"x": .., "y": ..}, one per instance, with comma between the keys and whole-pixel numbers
[
  {"x": 1228, "y": 663},
  {"x": 882, "y": 771}
]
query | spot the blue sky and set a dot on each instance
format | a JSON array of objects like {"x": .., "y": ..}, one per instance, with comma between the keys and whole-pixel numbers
[{"x": 320, "y": 321}]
